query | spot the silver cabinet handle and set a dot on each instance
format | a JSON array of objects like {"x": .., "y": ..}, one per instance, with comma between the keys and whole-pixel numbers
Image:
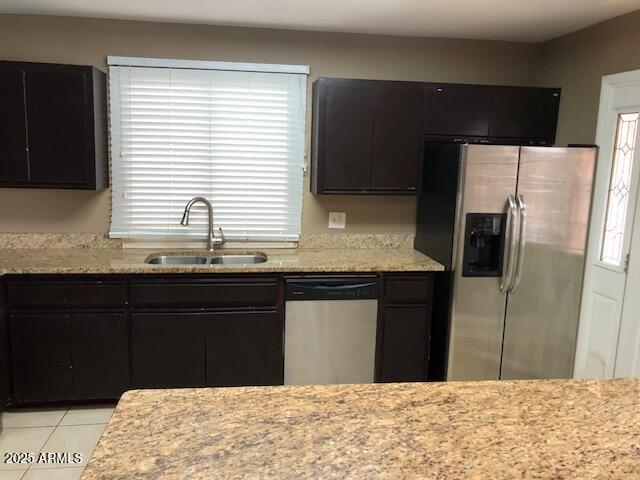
[
  {"x": 510, "y": 245},
  {"x": 522, "y": 213}
]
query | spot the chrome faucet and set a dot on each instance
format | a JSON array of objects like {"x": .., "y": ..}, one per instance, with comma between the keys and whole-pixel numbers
[{"x": 211, "y": 239}]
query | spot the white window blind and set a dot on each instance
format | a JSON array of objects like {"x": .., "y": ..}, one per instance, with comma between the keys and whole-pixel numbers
[{"x": 234, "y": 137}]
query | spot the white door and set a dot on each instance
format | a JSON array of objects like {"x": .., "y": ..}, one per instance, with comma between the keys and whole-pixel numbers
[
  {"x": 628, "y": 355},
  {"x": 609, "y": 334}
]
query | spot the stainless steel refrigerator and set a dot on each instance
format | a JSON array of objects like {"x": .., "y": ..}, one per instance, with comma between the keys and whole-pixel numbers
[{"x": 510, "y": 225}]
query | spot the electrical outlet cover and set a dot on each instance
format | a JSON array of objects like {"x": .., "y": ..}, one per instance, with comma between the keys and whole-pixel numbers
[{"x": 337, "y": 219}]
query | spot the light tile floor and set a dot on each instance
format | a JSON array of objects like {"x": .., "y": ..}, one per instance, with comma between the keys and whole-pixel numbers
[{"x": 60, "y": 430}]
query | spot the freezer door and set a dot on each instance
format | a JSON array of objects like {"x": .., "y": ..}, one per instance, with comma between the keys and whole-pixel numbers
[
  {"x": 542, "y": 311},
  {"x": 489, "y": 175}
]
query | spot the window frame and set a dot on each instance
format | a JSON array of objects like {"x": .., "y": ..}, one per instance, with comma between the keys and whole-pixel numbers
[
  {"x": 632, "y": 197},
  {"x": 116, "y": 140}
]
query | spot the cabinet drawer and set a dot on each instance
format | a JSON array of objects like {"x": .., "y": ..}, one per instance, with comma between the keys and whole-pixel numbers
[
  {"x": 408, "y": 288},
  {"x": 214, "y": 293},
  {"x": 67, "y": 293}
]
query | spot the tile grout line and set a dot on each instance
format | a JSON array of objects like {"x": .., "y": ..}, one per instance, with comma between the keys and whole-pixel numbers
[
  {"x": 62, "y": 418},
  {"x": 24, "y": 428},
  {"x": 45, "y": 442},
  {"x": 83, "y": 424},
  {"x": 64, "y": 466}
]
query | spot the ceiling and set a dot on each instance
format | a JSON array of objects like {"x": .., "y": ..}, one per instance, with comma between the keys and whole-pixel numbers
[{"x": 515, "y": 20}]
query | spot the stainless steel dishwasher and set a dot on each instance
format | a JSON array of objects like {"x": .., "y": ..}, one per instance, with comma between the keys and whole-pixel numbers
[{"x": 330, "y": 329}]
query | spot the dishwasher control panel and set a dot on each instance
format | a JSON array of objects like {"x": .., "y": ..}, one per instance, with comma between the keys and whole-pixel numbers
[{"x": 331, "y": 288}]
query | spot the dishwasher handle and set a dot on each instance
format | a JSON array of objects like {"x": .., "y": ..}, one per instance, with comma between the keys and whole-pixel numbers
[{"x": 331, "y": 289}]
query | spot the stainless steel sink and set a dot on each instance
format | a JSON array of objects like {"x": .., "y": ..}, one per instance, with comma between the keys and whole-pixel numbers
[
  {"x": 204, "y": 260},
  {"x": 178, "y": 260},
  {"x": 238, "y": 259}
]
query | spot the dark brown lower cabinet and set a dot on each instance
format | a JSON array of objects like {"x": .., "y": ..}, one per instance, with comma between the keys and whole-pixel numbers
[
  {"x": 68, "y": 356},
  {"x": 404, "y": 328},
  {"x": 5, "y": 369},
  {"x": 79, "y": 338},
  {"x": 168, "y": 349},
  {"x": 244, "y": 348},
  {"x": 99, "y": 355},
  {"x": 405, "y": 343},
  {"x": 187, "y": 349},
  {"x": 64, "y": 346},
  {"x": 41, "y": 357}
]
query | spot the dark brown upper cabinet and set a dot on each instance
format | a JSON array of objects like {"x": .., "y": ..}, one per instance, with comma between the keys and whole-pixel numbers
[
  {"x": 525, "y": 113},
  {"x": 490, "y": 114},
  {"x": 345, "y": 110},
  {"x": 452, "y": 109},
  {"x": 366, "y": 136},
  {"x": 13, "y": 127},
  {"x": 52, "y": 126},
  {"x": 396, "y": 148}
]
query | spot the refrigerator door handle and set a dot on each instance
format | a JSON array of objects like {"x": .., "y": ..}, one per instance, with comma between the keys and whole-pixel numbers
[
  {"x": 510, "y": 246},
  {"x": 522, "y": 213}
]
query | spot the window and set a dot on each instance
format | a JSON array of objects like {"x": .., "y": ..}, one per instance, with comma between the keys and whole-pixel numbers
[
  {"x": 619, "y": 189},
  {"x": 233, "y": 133}
]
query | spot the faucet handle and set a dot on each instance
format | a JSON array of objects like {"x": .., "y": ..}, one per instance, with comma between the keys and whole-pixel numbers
[{"x": 222, "y": 237}]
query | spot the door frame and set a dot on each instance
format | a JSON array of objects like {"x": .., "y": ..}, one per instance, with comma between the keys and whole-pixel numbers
[
  {"x": 607, "y": 113},
  {"x": 604, "y": 168}
]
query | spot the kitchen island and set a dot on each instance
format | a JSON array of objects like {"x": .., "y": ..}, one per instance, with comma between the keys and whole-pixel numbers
[{"x": 508, "y": 429}]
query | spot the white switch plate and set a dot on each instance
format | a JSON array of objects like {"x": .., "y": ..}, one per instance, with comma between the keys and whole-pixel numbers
[{"x": 337, "y": 219}]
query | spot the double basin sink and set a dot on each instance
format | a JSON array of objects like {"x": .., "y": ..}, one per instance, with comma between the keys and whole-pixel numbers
[{"x": 206, "y": 260}]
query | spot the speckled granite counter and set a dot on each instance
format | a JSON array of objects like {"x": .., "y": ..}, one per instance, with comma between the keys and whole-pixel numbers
[
  {"x": 108, "y": 260},
  {"x": 494, "y": 430}
]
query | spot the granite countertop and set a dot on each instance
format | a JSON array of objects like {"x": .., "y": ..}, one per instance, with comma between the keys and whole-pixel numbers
[
  {"x": 118, "y": 260},
  {"x": 499, "y": 430}
]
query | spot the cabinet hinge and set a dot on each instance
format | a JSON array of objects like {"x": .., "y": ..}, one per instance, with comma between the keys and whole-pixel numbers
[{"x": 626, "y": 262}]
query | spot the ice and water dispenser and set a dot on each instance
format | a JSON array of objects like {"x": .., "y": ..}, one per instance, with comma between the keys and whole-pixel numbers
[{"x": 483, "y": 244}]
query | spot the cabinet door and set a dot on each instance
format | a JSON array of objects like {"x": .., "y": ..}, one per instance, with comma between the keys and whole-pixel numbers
[
  {"x": 167, "y": 349},
  {"x": 41, "y": 357},
  {"x": 346, "y": 131},
  {"x": 57, "y": 102},
  {"x": 100, "y": 355},
  {"x": 451, "y": 109},
  {"x": 244, "y": 348},
  {"x": 405, "y": 343},
  {"x": 397, "y": 145},
  {"x": 524, "y": 112},
  {"x": 5, "y": 373},
  {"x": 13, "y": 127}
]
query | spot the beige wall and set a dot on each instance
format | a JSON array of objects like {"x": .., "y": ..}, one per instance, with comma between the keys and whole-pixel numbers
[
  {"x": 89, "y": 41},
  {"x": 577, "y": 62}
]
